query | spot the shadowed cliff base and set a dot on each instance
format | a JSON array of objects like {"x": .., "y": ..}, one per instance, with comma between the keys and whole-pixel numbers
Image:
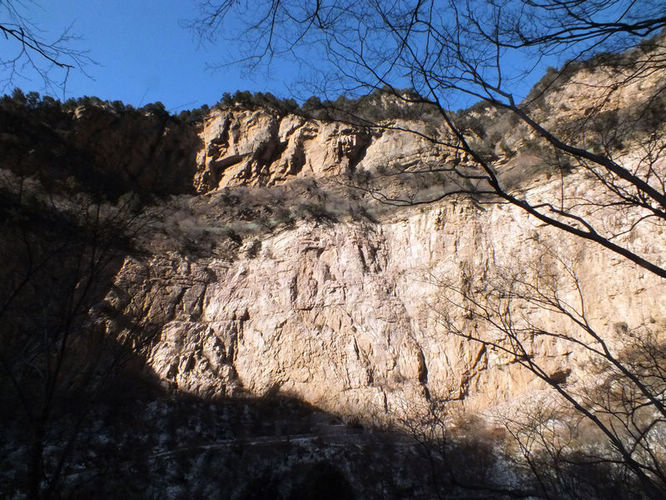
[{"x": 139, "y": 441}]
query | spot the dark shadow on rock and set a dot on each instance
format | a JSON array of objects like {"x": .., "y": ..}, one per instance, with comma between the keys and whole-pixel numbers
[
  {"x": 96, "y": 149},
  {"x": 324, "y": 481}
]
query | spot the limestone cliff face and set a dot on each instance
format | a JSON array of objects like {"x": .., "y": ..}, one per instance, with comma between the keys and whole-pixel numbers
[
  {"x": 99, "y": 149},
  {"x": 349, "y": 316},
  {"x": 262, "y": 270},
  {"x": 242, "y": 147},
  {"x": 362, "y": 315}
]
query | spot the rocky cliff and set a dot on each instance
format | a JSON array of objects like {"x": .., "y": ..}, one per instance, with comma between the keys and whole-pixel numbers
[
  {"x": 345, "y": 310},
  {"x": 277, "y": 254},
  {"x": 275, "y": 273}
]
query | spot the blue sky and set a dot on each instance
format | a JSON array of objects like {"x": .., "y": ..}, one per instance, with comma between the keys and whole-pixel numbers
[{"x": 144, "y": 54}]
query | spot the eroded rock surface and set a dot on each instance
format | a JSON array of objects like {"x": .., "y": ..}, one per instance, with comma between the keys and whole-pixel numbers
[
  {"x": 353, "y": 316},
  {"x": 243, "y": 147},
  {"x": 261, "y": 269}
]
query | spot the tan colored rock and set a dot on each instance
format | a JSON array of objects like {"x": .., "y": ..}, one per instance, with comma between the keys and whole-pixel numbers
[
  {"x": 349, "y": 316},
  {"x": 366, "y": 317},
  {"x": 252, "y": 148}
]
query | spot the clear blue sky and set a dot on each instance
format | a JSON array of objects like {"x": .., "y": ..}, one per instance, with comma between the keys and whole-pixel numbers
[{"x": 144, "y": 54}]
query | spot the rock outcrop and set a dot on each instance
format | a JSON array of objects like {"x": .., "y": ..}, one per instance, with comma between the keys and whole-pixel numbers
[
  {"x": 243, "y": 147},
  {"x": 266, "y": 271},
  {"x": 350, "y": 316}
]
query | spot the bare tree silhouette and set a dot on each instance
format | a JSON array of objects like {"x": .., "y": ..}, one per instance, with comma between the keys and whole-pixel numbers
[
  {"x": 451, "y": 52},
  {"x": 621, "y": 406},
  {"x": 63, "y": 342},
  {"x": 29, "y": 53},
  {"x": 608, "y": 157}
]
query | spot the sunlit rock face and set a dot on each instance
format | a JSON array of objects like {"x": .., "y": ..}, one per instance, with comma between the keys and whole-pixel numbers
[
  {"x": 243, "y": 147},
  {"x": 350, "y": 316},
  {"x": 270, "y": 280},
  {"x": 265, "y": 265}
]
